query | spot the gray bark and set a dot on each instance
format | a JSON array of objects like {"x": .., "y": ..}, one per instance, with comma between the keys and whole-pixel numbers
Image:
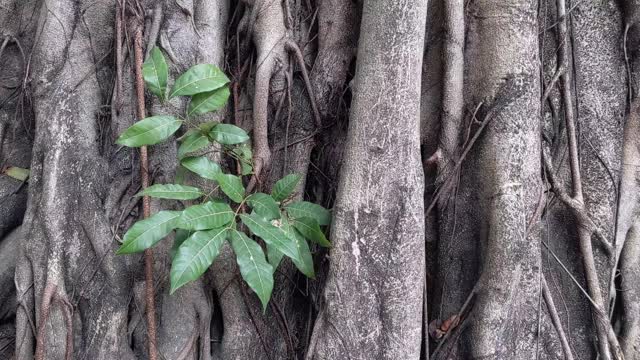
[{"x": 378, "y": 228}]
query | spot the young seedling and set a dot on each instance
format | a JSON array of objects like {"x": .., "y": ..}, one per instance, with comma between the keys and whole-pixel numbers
[{"x": 201, "y": 229}]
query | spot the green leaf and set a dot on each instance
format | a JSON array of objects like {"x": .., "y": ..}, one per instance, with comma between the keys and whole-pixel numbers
[
  {"x": 202, "y": 166},
  {"x": 284, "y": 187},
  {"x": 228, "y": 134},
  {"x": 200, "y": 78},
  {"x": 207, "y": 216},
  {"x": 146, "y": 233},
  {"x": 304, "y": 261},
  {"x": 244, "y": 155},
  {"x": 155, "y": 73},
  {"x": 306, "y": 209},
  {"x": 271, "y": 235},
  {"x": 274, "y": 256},
  {"x": 178, "y": 239},
  {"x": 254, "y": 268},
  {"x": 17, "y": 173},
  {"x": 195, "y": 256},
  {"x": 193, "y": 142},
  {"x": 149, "y": 131},
  {"x": 208, "y": 101},
  {"x": 264, "y": 205},
  {"x": 311, "y": 230},
  {"x": 231, "y": 185},
  {"x": 207, "y": 126},
  {"x": 172, "y": 191}
]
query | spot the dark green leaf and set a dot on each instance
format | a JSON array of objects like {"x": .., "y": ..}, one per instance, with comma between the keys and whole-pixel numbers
[
  {"x": 231, "y": 185},
  {"x": 146, "y": 233},
  {"x": 17, "y": 173},
  {"x": 274, "y": 256},
  {"x": 254, "y": 268},
  {"x": 195, "y": 256},
  {"x": 172, "y": 191},
  {"x": 243, "y": 154},
  {"x": 200, "y": 78},
  {"x": 155, "y": 73},
  {"x": 304, "y": 261},
  {"x": 264, "y": 205},
  {"x": 311, "y": 230},
  {"x": 284, "y": 187},
  {"x": 193, "y": 142},
  {"x": 306, "y": 209},
  {"x": 207, "y": 216},
  {"x": 228, "y": 134},
  {"x": 180, "y": 237},
  {"x": 271, "y": 235},
  {"x": 202, "y": 166},
  {"x": 149, "y": 131},
  {"x": 208, "y": 101}
]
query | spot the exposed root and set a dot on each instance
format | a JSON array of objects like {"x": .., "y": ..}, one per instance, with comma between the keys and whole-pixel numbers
[
  {"x": 293, "y": 47},
  {"x": 555, "y": 319}
]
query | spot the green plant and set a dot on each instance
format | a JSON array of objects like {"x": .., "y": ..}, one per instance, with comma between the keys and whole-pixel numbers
[{"x": 201, "y": 229}]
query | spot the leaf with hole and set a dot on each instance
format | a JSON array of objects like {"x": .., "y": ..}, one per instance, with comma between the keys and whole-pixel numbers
[
  {"x": 254, "y": 268},
  {"x": 284, "y": 187},
  {"x": 198, "y": 79},
  {"x": 209, "y": 215},
  {"x": 306, "y": 209},
  {"x": 202, "y": 166},
  {"x": 17, "y": 173},
  {"x": 271, "y": 235},
  {"x": 195, "y": 255},
  {"x": 172, "y": 191},
  {"x": 146, "y": 233},
  {"x": 264, "y": 205},
  {"x": 228, "y": 134},
  {"x": 208, "y": 101},
  {"x": 149, "y": 131},
  {"x": 193, "y": 142},
  {"x": 231, "y": 185},
  {"x": 155, "y": 73},
  {"x": 310, "y": 229}
]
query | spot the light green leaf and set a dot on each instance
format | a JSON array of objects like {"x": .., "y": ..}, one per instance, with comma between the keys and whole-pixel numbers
[
  {"x": 264, "y": 205},
  {"x": 231, "y": 185},
  {"x": 274, "y": 256},
  {"x": 306, "y": 209},
  {"x": 208, "y": 101},
  {"x": 304, "y": 261},
  {"x": 254, "y": 268},
  {"x": 17, "y": 173},
  {"x": 172, "y": 191},
  {"x": 271, "y": 235},
  {"x": 200, "y": 78},
  {"x": 178, "y": 239},
  {"x": 207, "y": 126},
  {"x": 193, "y": 142},
  {"x": 155, "y": 73},
  {"x": 228, "y": 134},
  {"x": 149, "y": 131},
  {"x": 202, "y": 166},
  {"x": 195, "y": 256},
  {"x": 311, "y": 230},
  {"x": 146, "y": 233},
  {"x": 284, "y": 187},
  {"x": 207, "y": 216}
]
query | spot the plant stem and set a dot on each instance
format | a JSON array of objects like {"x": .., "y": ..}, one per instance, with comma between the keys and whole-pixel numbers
[{"x": 146, "y": 208}]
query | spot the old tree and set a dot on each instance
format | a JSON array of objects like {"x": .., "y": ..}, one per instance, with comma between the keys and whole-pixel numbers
[{"x": 480, "y": 159}]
